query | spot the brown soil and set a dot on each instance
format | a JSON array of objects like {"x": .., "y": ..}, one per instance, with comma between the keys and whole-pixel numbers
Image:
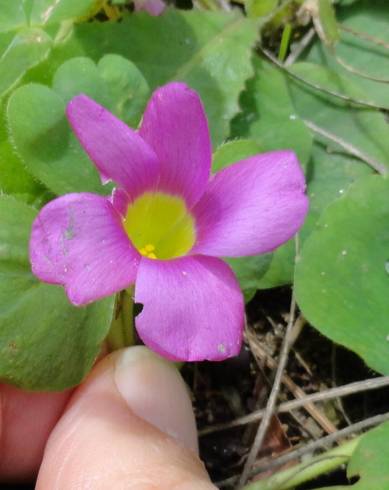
[{"x": 225, "y": 391}]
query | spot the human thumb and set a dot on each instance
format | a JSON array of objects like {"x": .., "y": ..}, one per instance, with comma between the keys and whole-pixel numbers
[{"x": 129, "y": 426}]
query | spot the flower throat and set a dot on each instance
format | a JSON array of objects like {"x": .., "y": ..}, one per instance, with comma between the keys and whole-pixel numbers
[{"x": 160, "y": 226}]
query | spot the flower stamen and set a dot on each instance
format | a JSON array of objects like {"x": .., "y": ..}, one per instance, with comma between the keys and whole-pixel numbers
[
  {"x": 148, "y": 251},
  {"x": 160, "y": 226}
]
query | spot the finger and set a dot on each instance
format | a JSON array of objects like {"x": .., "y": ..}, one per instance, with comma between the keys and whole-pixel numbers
[
  {"x": 26, "y": 420},
  {"x": 130, "y": 426}
]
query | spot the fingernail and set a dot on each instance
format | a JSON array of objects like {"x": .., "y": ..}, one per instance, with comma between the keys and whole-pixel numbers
[{"x": 154, "y": 390}]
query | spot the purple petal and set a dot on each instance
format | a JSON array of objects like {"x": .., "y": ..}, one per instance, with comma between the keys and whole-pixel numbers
[
  {"x": 192, "y": 308},
  {"x": 175, "y": 126},
  {"x": 153, "y": 7},
  {"x": 78, "y": 241},
  {"x": 118, "y": 151},
  {"x": 120, "y": 201},
  {"x": 251, "y": 207}
]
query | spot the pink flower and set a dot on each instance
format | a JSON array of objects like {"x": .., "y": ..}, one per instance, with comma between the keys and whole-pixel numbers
[
  {"x": 167, "y": 223},
  {"x": 153, "y": 7}
]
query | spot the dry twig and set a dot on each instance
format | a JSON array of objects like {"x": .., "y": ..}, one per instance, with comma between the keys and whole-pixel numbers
[
  {"x": 308, "y": 448},
  {"x": 340, "y": 391},
  {"x": 296, "y": 391},
  {"x": 323, "y": 442},
  {"x": 377, "y": 166},
  {"x": 271, "y": 403},
  {"x": 299, "y": 47},
  {"x": 365, "y": 36},
  {"x": 359, "y": 73},
  {"x": 346, "y": 98}
]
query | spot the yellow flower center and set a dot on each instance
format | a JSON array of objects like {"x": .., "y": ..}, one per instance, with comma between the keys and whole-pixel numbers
[{"x": 160, "y": 226}]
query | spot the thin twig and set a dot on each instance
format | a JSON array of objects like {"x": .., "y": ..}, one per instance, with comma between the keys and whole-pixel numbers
[
  {"x": 303, "y": 363},
  {"x": 271, "y": 403},
  {"x": 301, "y": 421},
  {"x": 374, "y": 164},
  {"x": 340, "y": 391},
  {"x": 298, "y": 48},
  {"x": 323, "y": 442},
  {"x": 308, "y": 448},
  {"x": 298, "y": 326},
  {"x": 308, "y": 470},
  {"x": 365, "y": 36},
  {"x": 297, "y": 392},
  {"x": 359, "y": 73},
  {"x": 338, "y": 400},
  {"x": 319, "y": 88}
]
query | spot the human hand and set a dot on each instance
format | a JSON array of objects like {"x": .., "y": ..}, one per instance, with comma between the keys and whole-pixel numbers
[{"x": 130, "y": 425}]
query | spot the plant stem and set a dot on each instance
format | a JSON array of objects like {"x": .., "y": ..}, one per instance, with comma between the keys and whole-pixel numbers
[
  {"x": 285, "y": 40},
  {"x": 307, "y": 471},
  {"x": 121, "y": 333}
]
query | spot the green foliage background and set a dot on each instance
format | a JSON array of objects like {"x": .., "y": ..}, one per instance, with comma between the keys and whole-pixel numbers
[
  {"x": 331, "y": 116},
  {"x": 328, "y": 103}
]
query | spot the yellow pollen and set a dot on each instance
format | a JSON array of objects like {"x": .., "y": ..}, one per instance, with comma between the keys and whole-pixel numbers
[
  {"x": 148, "y": 251},
  {"x": 160, "y": 226}
]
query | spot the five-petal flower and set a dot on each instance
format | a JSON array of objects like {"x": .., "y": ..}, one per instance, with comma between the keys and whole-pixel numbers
[{"x": 167, "y": 223}]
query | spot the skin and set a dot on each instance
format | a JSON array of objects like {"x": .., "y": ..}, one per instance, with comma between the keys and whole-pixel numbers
[{"x": 130, "y": 425}]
